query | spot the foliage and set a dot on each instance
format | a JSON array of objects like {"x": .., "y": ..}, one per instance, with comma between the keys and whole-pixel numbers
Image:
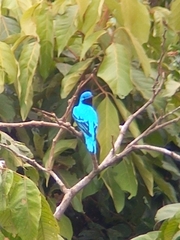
[{"x": 119, "y": 49}]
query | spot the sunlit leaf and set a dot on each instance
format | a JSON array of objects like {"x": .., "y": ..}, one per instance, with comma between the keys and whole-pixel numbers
[
  {"x": 27, "y": 63},
  {"x": 5, "y": 186},
  {"x": 82, "y": 5},
  {"x": 148, "y": 236},
  {"x": 171, "y": 87},
  {"x": 65, "y": 27},
  {"x": 73, "y": 76},
  {"x": 92, "y": 16},
  {"x": 175, "y": 15},
  {"x": 8, "y": 66},
  {"x": 139, "y": 23},
  {"x": 17, "y": 6},
  {"x": 89, "y": 41},
  {"x": 108, "y": 129},
  {"x": 167, "y": 212},
  {"x": 44, "y": 25},
  {"x": 25, "y": 205},
  {"x": 115, "y": 70},
  {"x": 48, "y": 226}
]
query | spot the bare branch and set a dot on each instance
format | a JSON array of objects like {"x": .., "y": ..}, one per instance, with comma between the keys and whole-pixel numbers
[{"x": 34, "y": 163}]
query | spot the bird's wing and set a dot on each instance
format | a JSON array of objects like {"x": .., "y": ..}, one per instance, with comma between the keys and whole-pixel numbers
[{"x": 81, "y": 120}]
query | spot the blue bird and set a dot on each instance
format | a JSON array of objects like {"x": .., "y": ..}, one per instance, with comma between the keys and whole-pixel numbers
[{"x": 87, "y": 120}]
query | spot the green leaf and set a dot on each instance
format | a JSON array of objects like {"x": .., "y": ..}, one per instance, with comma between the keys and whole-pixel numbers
[
  {"x": 8, "y": 26},
  {"x": 44, "y": 25},
  {"x": 171, "y": 87},
  {"x": 71, "y": 79},
  {"x": 148, "y": 236},
  {"x": 70, "y": 179},
  {"x": 17, "y": 6},
  {"x": 175, "y": 15},
  {"x": 139, "y": 23},
  {"x": 8, "y": 66},
  {"x": 125, "y": 176},
  {"x": 169, "y": 229},
  {"x": 66, "y": 227},
  {"x": 89, "y": 41},
  {"x": 7, "y": 110},
  {"x": 65, "y": 27},
  {"x": 48, "y": 226},
  {"x": 147, "y": 176},
  {"x": 27, "y": 63},
  {"x": 167, "y": 212},
  {"x": 92, "y": 16},
  {"x": 82, "y": 5},
  {"x": 115, "y": 8},
  {"x": 115, "y": 70},
  {"x": 134, "y": 46},
  {"x": 108, "y": 126},
  {"x": 28, "y": 25},
  {"x": 25, "y": 205},
  {"x": 114, "y": 189},
  {"x": 5, "y": 186},
  {"x": 165, "y": 187},
  {"x": 60, "y": 147},
  {"x": 133, "y": 127},
  {"x": 6, "y": 222}
]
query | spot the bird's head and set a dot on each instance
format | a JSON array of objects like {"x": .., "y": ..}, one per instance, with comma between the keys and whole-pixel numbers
[{"x": 85, "y": 96}]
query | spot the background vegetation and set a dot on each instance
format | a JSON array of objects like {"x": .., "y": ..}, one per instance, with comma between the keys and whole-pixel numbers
[{"x": 127, "y": 53}]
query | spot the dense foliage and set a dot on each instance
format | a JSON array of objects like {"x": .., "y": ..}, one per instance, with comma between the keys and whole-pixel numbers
[{"x": 120, "y": 50}]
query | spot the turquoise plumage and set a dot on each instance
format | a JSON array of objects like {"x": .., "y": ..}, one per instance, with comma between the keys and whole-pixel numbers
[{"x": 87, "y": 120}]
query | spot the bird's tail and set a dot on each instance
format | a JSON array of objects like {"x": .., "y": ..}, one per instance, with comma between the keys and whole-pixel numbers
[{"x": 91, "y": 144}]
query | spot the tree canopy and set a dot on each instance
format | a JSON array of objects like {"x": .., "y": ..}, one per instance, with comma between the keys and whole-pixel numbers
[{"x": 127, "y": 53}]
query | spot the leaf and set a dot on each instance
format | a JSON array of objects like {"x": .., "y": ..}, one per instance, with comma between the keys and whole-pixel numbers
[
  {"x": 148, "y": 236},
  {"x": 147, "y": 176},
  {"x": 6, "y": 222},
  {"x": 65, "y": 27},
  {"x": 70, "y": 179},
  {"x": 5, "y": 186},
  {"x": 108, "y": 126},
  {"x": 169, "y": 229},
  {"x": 175, "y": 15},
  {"x": 171, "y": 87},
  {"x": 165, "y": 187},
  {"x": 89, "y": 41},
  {"x": 28, "y": 25},
  {"x": 25, "y": 205},
  {"x": 27, "y": 63},
  {"x": 82, "y": 5},
  {"x": 139, "y": 23},
  {"x": 17, "y": 6},
  {"x": 7, "y": 111},
  {"x": 8, "y": 26},
  {"x": 167, "y": 212},
  {"x": 115, "y": 8},
  {"x": 125, "y": 37},
  {"x": 48, "y": 226},
  {"x": 66, "y": 227},
  {"x": 133, "y": 127},
  {"x": 114, "y": 189},
  {"x": 71, "y": 79},
  {"x": 60, "y": 147},
  {"x": 125, "y": 177},
  {"x": 92, "y": 16},
  {"x": 115, "y": 70},
  {"x": 44, "y": 25},
  {"x": 8, "y": 66}
]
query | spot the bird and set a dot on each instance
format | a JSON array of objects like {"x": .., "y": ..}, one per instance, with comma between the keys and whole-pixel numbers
[{"x": 87, "y": 120}]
